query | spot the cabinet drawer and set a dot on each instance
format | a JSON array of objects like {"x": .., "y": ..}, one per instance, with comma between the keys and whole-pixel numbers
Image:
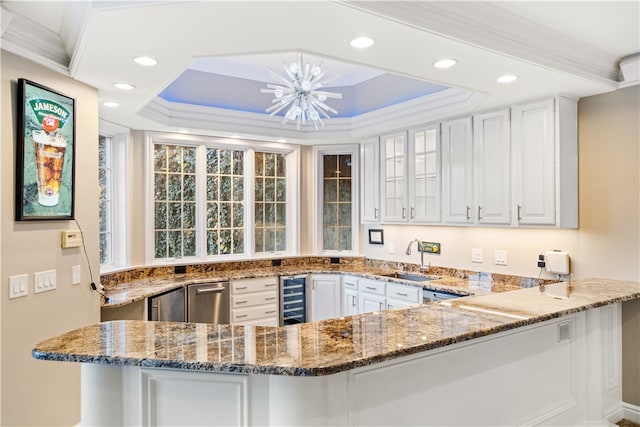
[
  {"x": 254, "y": 298},
  {"x": 254, "y": 285},
  {"x": 350, "y": 282},
  {"x": 404, "y": 293},
  {"x": 251, "y": 313},
  {"x": 371, "y": 286}
]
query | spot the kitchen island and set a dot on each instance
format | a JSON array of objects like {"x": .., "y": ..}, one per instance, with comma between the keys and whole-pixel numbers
[{"x": 547, "y": 355}]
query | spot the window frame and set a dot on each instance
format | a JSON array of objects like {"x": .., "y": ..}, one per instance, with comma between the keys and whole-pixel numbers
[
  {"x": 120, "y": 200},
  {"x": 319, "y": 151},
  {"x": 249, "y": 147}
]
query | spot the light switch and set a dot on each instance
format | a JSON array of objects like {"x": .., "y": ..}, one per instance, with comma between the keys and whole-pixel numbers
[
  {"x": 18, "y": 286},
  {"x": 476, "y": 255},
  {"x": 76, "y": 275},
  {"x": 44, "y": 281}
]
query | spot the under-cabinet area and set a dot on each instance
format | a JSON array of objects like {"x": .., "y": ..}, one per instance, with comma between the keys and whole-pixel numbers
[{"x": 516, "y": 166}]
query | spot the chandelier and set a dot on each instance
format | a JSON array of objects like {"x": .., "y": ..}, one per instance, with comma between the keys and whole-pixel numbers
[{"x": 300, "y": 92}]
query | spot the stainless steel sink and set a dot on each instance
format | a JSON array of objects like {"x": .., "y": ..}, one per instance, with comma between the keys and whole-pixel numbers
[{"x": 414, "y": 277}]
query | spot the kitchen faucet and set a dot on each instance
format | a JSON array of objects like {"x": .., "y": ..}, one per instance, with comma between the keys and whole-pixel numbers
[{"x": 422, "y": 266}]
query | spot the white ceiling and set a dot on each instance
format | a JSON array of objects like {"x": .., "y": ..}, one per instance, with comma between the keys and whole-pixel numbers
[{"x": 568, "y": 48}]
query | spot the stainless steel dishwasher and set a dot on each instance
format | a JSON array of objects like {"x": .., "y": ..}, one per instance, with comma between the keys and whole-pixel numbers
[
  {"x": 168, "y": 307},
  {"x": 208, "y": 303}
]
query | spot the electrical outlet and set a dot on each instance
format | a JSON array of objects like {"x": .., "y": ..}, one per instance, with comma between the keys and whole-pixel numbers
[
  {"x": 76, "y": 275},
  {"x": 476, "y": 255},
  {"x": 391, "y": 248},
  {"x": 500, "y": 257}
]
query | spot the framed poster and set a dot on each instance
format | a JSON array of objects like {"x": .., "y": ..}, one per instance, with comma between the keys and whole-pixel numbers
[{"x": 45, "y": 153}]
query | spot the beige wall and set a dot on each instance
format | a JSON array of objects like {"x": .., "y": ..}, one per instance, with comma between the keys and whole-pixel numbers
[{"x": 37, "y": 392}]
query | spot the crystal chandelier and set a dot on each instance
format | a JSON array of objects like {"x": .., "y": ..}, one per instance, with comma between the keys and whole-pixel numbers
[{"x": 300, "y": 92}]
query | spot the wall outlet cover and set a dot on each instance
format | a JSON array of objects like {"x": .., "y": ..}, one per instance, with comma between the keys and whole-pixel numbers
[{"x": 476, "y": 255}]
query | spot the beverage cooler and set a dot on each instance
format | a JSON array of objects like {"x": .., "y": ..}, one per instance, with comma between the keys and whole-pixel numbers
[{"x": 293, "y": 300}]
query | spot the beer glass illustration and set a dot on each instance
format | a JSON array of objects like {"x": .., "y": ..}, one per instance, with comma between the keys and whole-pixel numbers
[{"x": 49, "y": 151}]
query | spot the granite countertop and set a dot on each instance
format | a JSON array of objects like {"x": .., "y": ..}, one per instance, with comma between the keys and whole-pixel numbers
[
  {"x": 330, "y": 346},
  {"x": 136, "y": 290}
]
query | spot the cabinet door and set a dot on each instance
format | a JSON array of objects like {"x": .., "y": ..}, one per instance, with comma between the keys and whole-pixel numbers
[
  {"x": 350, "y": 303},
  {"x": 372, "y": 302},
  {"x": 394, "y": 191},
  {"x": 424, "y": 172},
  {"x": 325, "y": 297},
  {"x": 457, "y": 172},
  {"x": 370, "y": 174},
  {"x": 533, "y": 139},
  {"x": 492, "y": 166}
]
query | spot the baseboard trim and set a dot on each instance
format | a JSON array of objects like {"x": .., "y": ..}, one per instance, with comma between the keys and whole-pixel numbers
[{"x": 627, "y": 411}]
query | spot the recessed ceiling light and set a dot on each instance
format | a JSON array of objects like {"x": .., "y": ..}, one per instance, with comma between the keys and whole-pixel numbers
[
  {"x": 507, "y": 78},
  {"x": 362, "y": 42},
  {"x": 182, "y": 131},
  {"x": 445, "y": 63},
  {"x": 111, "y": 104},
  {"x": 124, "y": 86},
  {"x": 145, "y": 60},
  {"x": 235, "y": 136},
  {"x": 281, "y": 140}
]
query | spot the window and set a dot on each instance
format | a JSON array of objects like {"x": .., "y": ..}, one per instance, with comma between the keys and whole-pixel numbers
[
  {"x": 112, "y": 197},
  {"x": 225, "y": 201},
  {"x": 270, "y": 202},
  {"x": 336, "y": 183},
  {"x": 216, "y": 199},
  {"x": 105, "y": 200}
]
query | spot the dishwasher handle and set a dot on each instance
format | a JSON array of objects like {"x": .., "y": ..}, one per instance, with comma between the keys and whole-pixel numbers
[{"x": 208, "y": 290}]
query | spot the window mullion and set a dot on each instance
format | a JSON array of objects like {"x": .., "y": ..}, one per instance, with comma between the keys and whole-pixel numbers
[{"x": 201, "y": 202}]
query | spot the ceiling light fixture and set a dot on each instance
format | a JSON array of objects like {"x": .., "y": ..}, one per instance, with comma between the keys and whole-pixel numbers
[
  {"x": 362, "y": 42},
  {"x": 183, "y": 131},
  {"x": 111, "y": 104},
  {"x": 124, "y": 86},
  {"x": 445, "y": 63},
  {"x": 145, "y": 60},
  {"x": 299, "y": 91},
  {"x": 507, "y": 78}
]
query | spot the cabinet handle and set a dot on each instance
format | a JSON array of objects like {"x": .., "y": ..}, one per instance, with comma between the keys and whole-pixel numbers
[
  {"x": 370, "y": 288},
  {"x": 269, "y": 312},
  {"x": 401, "y": 294},
  {"x": 413, "y": 212},
  {"x": 375, "y": 213},
  {"x": 479, "y": 215},
  {"x": 468, "y": 212},
  {"x": 242, "y": 315},
  {"x": 269, "y": 298},
  {"x": 269, "y": 284},
  {"x": 519, "y": 212},
  {"x": 353, "y": 304},
  {"x": 381, "y": 306},
  {"x": 241, "y": 287},
  {"x": 242, "y": 302},
  {"x": 404, "y": 213}
]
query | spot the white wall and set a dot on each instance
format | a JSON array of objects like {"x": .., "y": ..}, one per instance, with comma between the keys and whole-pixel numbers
[
  {"x": 37, "y": 392},
  {"x": 607, "y": 242}
]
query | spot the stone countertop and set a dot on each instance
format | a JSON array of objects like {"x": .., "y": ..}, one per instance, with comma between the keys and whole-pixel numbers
[
  {"x": 329, "y": 346},
  {"x": 136, "y": 290}
]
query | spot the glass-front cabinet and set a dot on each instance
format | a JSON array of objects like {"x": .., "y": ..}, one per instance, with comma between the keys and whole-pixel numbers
[
  {"x": 424, "y": 171},
  {"x": 394, "y": 189}
]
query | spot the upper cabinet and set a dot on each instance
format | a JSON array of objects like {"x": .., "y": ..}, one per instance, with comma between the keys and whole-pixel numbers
[
  {"x": 370, "y": 179},
  {"x": 545, "y": 163},
  {"x": 457, "y": 172},
  {"x": 511, "y": 167},
  {"x": 492, "y": 167}
]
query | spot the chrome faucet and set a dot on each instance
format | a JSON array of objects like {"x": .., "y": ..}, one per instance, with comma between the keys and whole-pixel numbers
[{"x": 408, "y": 252}]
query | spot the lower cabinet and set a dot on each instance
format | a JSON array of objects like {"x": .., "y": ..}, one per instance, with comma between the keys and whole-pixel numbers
[
  {"x": 361, "y": 295},
  {"x": 350, "y": 297},
  {"x": 372, "y": 295},
  {"x": 325, "y": 292},
  {"x": 255, "y": 301},
  {"x": 402, "y": 296}
]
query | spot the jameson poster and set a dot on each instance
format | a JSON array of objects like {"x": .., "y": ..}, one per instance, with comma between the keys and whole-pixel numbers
[{"x": 46, "y": 151}]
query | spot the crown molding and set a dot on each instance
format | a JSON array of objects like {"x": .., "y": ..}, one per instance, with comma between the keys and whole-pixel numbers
[
  {"x": 27, "y": 39},
  {"x": 474, "y": 24},
  {"x": 444, "y": 104}
]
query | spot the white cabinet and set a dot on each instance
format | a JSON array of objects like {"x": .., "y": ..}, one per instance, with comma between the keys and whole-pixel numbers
[
  {"x": 255, "y": 301},
  {"x": 394, "y": 174},
  {"x": 544, "y": 142},
  {"x": 457, "y": 172},
  {"x": 372, "y": 296},
  {"x": 325, "y": 296},
  {"x": 350, "y": 297},
  {"x": 492, "y": 167},
  {"x": 370, "y": 178},
  {"x": 424, "y": 174},
  {"x": 402, "y": 296}
]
